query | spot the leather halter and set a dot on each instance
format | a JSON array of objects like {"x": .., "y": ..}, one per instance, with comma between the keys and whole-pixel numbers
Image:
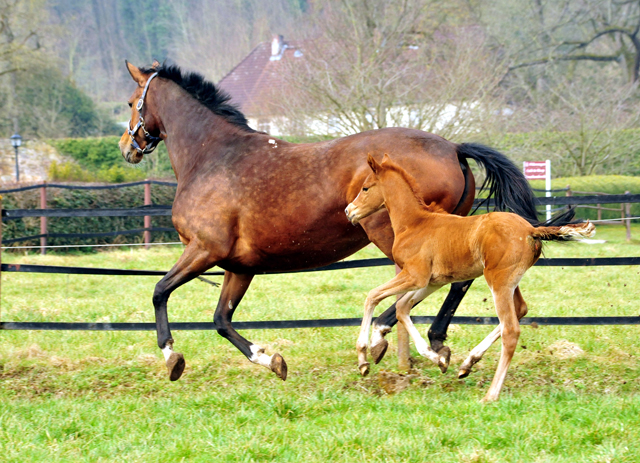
[{"x": 152, "y": 141}]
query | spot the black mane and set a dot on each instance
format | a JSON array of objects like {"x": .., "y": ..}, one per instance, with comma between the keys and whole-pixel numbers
[{"x": 211, "y": 96}]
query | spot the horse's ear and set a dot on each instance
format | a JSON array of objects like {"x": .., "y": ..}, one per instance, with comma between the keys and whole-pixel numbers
[
  {"x": 373, "y": 164},
  {"x": 385, "y": 158},
  {"x": 136, "y": 74},
  {"x": 156, "y": 64}
]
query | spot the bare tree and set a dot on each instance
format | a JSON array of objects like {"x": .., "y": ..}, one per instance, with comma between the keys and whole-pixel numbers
[
  {"x": 370, "y": 64},
  {"x": 224, "y": 32}
]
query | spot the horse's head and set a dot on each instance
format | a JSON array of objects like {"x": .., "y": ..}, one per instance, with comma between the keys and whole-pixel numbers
[
  {"x": 143, "y": 134},
  {"x": 370, "y": 199}
]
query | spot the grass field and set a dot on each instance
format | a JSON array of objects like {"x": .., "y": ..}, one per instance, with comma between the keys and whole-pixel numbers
[{"x": 572, "y": 393}]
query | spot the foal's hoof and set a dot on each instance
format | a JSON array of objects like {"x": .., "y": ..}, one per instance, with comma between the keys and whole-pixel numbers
[
  {"x": 278, "y": 366},
  {"x": 445, "y": 358},
  {"x": 175, "y": 365},
  {"x": 364, "y": 369},
  {"x": 378, "y": 351},
  {"x": 463, "y": 373}
]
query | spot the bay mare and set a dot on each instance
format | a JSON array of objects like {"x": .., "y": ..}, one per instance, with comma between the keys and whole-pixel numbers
[
  {"x": 251, "y": 203},
  {"x": 434, "y": 249}
]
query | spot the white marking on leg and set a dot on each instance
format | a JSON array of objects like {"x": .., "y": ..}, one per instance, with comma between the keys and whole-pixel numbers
[
  {"x": 259, "y": 356},
  {"x": 167, "y": 351},
  {"x": 378, "y": 334},
  {"x": 478, "y": 352}
]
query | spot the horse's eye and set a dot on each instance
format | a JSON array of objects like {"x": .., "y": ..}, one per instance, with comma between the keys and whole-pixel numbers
[
  {"x": 364, "y": 189},
  {"x": 130, "y": 105}
]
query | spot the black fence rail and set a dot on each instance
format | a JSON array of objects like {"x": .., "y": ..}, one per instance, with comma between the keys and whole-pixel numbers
[
  {"x": 154, "y": 210},
  {"x": 320, "y": 323}
]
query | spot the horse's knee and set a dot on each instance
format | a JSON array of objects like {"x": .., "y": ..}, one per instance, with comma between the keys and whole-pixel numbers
[
  {"x": 222, "y": 326},
  {"x": 510, "y": 337}
]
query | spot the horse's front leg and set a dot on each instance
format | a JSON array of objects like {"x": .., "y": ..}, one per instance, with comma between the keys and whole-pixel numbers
[
  {"x": 400, "y": 284},
  {"x": 193, "y": 261},
  {"x": 233, "y": 289}
]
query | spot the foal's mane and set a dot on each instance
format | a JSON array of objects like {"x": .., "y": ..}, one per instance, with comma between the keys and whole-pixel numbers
[
  {"x": 207, "y": 93},
  {"x": 413, "y": 186}
]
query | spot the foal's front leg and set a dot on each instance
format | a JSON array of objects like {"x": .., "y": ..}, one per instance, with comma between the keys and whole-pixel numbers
[
  {"x": 401, "y": 283},
  {"x": 403, "y": 308}
]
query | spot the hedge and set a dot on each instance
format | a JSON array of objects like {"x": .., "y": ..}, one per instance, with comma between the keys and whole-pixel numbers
[
  {"x": 57, "y": 198},
  {"x": 589, "y": 185},
  {"x": 99, "y": 159}
]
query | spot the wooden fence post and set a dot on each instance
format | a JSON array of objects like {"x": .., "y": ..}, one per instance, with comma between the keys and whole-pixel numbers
[
  {"x": 627, "y": 210},
  {"x": 43, "y": 220},
  {"x": 147, "y": 219},
  {"x": 404, "y": 351}
]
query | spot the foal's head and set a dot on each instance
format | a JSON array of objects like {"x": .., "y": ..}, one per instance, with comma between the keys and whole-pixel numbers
[
  {"x": 371, "y": 197},
  {"x": 143, "y": 134}
]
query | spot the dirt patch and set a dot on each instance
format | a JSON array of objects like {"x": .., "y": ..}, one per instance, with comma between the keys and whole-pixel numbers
[{"x": 564, "y": 349}]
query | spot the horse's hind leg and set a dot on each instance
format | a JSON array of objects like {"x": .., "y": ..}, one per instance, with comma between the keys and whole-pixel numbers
[
  {"x": 478, "y": 352},
  {"x": 437, "y": 333},
  {"x": 192, "y": 263},
  {"x": 233, "y": 289},
  {"x": 510, "y": 330}
]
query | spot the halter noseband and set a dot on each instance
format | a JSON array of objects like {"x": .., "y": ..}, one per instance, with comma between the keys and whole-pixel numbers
[{"x": 152, "y": 141}]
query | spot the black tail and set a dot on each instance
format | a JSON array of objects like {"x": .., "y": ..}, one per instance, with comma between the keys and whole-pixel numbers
[{"x": 507, "y": 185}]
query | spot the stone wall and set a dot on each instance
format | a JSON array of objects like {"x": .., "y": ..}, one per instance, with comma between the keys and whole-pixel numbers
[{"x": 34, "y": 158}]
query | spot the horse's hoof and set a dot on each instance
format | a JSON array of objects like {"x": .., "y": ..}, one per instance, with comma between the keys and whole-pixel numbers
[
  {"x": 445, "y": 358},
  {"x": 175, "y": 365},
  {"x": 378, "y": 351},
  {"x": 278, "y": 366},
  {"x": 364, "y": 369},
  {"x": 463, "y": 373}
]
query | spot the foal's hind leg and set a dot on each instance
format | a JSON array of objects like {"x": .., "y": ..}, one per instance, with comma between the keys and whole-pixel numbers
[
  {"x": 437, "y": 333},
  {"x": 192, "y": 263},
  {"x": 233, "y": 289},
  {"x": 478, "y": 352}
]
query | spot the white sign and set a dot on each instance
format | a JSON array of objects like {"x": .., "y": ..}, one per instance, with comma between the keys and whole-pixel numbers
[
  {"x": 535, "y": 170},
  {"x": 539, "y": 170}
]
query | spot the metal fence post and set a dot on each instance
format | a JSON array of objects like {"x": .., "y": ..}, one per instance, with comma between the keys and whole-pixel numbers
[
  {"x": 404, "y": 350},
  {"x": 147, "y": 219},
  {"x": 43, "y": 220}
]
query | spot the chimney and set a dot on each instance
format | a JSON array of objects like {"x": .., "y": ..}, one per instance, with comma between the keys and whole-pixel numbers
[{"x": 277, "y": 47}]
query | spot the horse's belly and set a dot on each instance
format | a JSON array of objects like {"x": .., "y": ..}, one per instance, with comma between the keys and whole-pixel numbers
[{"x": 257, "y": 253}]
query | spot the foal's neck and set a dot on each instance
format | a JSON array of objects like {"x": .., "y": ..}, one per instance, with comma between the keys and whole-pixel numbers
[{"x": 402, "y": 202}]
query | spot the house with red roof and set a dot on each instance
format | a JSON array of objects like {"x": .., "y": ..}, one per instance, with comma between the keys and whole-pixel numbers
[{"x": 252, "y": 82}]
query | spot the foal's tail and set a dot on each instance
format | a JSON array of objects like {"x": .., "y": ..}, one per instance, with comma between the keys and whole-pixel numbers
[
  {"x": 506, "y": 184},
  {"x": 570, "y": 232}
]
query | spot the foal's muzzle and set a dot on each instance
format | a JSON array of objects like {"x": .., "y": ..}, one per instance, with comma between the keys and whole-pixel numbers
[{"x": 351, "y": 212}]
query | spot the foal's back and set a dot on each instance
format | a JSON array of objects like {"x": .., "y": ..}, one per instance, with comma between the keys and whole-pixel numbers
[{"x": 462, "y": 248}]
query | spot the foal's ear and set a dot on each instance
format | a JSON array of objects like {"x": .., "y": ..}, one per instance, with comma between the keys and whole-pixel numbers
[
  {"x": 136, "y": 74},
  {"x": 373, "y": 164},
  {"x": 155, "y": 64}
]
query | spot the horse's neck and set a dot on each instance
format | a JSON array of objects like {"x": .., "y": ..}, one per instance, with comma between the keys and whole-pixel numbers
[
  {"x": 194, "y": 134},
  {"x": 402, "y": 204}
]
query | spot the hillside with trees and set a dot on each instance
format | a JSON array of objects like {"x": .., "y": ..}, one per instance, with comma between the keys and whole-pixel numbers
[{"x": 466, "y": 69}]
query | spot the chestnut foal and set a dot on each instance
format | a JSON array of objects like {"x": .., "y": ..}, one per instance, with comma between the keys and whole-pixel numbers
[{"x": 434, "y": 249}]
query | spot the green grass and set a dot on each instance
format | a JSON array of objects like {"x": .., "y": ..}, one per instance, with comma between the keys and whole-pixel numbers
[{"x": 104, "y": 396}]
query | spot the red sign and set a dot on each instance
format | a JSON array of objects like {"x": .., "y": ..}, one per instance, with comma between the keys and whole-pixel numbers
[{"x": 535, "y": 170}]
